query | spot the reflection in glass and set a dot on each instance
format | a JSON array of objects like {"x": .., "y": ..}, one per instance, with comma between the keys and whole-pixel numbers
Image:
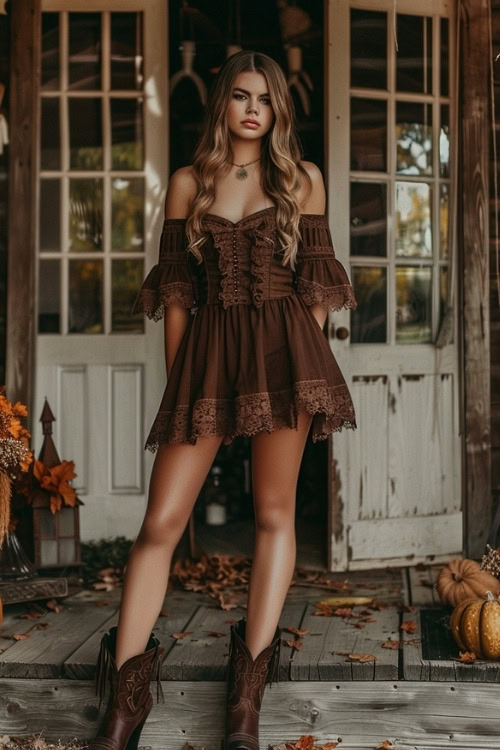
[
  {"x": 414, "y": 58},
  {"x": 413, "y": 219},
  {"x": 444, "y": 56},
  {"x": 127, "y": 217},
  {"x": 50, "y": 137},
  {"x": 126, "y": 51},
  {"x": 84, "y": 54},
  {"x": 368, "y": 49},
  {"x": 85, "y": 133},
  {"x": 50, "y": 219},
  {"x": 49, "y": 302},
  {"x": 85, "y": 314},
  {"x": 369, "y": 320},
  {"x": 66, "y": 521},
  {"x": 413, "y": 304},
  {"x": 414, "y": 138},
  {"x": 85, "y": 218},
  {"x": 368, "y": 218},
  {"x": 368, "y": 134},
  {"x": 444, "y": 206},
  {"x": 444, "y": 141},
  {"x": 49, "y": 79},
  {"x": 126, "y": 279},
  {"x": 126, "y": 133}
]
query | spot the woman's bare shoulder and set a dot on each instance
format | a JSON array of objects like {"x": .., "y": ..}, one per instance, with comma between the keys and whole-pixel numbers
[
  {"x": 312, "y": 200},
  {"x": 181, "y": 192}
]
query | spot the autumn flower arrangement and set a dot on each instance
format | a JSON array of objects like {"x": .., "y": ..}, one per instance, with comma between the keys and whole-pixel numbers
[{"x": 15, "y": 453}]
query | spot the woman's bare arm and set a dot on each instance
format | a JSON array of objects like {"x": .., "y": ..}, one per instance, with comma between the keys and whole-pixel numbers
[{"x": 180, "y": 193}]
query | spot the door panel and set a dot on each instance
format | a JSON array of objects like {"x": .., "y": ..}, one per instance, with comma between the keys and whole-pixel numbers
[
  {"x": 103, "y": 175},
  {"x": 396, "y": 480}
]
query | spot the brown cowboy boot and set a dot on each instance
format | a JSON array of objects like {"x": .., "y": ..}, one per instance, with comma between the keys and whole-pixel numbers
[
  {"x": 130, "y": 699},
  {"x": 245, "y": 687}
]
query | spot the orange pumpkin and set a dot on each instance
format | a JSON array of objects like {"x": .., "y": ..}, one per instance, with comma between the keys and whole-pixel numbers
[
  {"x": 464, "y": 579},
  {"x": 475, "y": 625}
]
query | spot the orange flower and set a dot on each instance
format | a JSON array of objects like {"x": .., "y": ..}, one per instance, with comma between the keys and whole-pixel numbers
[{"x": 55, "y": 481}]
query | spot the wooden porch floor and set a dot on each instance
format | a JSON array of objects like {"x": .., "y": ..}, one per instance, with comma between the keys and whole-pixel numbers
[{"x": 414, "y": 697}]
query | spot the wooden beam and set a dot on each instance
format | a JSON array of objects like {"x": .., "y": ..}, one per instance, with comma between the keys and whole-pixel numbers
[
  {"x": 23, "y": 200},
  {"x": 474, "y": 237}
]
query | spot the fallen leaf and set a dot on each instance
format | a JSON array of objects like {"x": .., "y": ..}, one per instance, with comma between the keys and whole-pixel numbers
[
  {"x": 163, "y": 613},
  {"x": 294, "y": 644},
  {"x": 391, "y": 644},
  {"x": 41, "y": 626},
  {"x": 182, "y": 635},
  {"x": 52, "y": 604},
  {"x": 215, "y": 633},
  {"x": 361, "y": 657},
  {"x": 297, "y": 631},
  {"x": 385, "y": 745},
  {"x": 33, "y": 615},
  {"x": 410, "y": 626},
  {"x": 21, "y": 636},
  {"x": 466, "y": 657}
]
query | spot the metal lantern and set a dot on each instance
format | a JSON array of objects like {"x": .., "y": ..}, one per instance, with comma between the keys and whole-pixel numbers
[{"x": 56, "y": 535}]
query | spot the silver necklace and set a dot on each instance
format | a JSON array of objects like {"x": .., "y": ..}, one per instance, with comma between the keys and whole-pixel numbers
[{"x": 241, "y": 173}]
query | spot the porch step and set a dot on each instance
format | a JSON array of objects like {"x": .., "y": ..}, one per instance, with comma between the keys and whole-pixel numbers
[{"x": 357, "y": 715}]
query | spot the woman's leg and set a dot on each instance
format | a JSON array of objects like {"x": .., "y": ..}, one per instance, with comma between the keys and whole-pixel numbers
[
  {"x": 179, "y": 471},
  {"x": 276, "y": 459}
]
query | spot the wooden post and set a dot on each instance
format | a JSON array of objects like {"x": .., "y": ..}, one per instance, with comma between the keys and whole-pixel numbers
[
  {"x": 474, "y": 236},
  {"x": 23, "y": 200}
]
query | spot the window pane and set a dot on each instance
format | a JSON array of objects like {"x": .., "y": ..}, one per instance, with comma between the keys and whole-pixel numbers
[
  {"x": 85, "y": 219},
  {"x": 66, "y": 551},
  {"x": 126, "y": 51},
  {"x": 50, "y": 52},
  {"x": 50, "y": 139},
  {"x": 444, "y": 141},
  {"x": 48, "y": 552},
  {"x": 413, "y": 138},
  {"x": 85, "y": 133},
  {"x": 414, "y": 58},
  {"x": 444, "y": 57},
  {"x": 85, "y": 296},
  {"x": 127, "y": 276},
  {"x": 369, "y": 320},
  {"x": 413, "y": 304},
  {"x": 368, "y": 218},
  {"x": 66, "y": 521},
  {"x": 84, "y": 63},
  {"x": 49, "y": 301},
  {"x": 368, "y": 49},
  {"x": 126, "y": 134},
  {"x": 127, "y": 218},
  {"x": 50, "y": 218},
  {"x": 444, "y": 206},
  {"x": 47, "y": 522},
  {"x": 413, "y": 219},
  {"x": 368, "y": 135}
]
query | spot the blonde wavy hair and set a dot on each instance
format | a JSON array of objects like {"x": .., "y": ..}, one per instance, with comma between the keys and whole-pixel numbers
[{"x": 280, "y": 152}]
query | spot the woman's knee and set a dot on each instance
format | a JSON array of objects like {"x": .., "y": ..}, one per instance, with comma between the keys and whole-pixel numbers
[
  {"x": 275, "y": 513},
  {"x": 164, "y": 530}
]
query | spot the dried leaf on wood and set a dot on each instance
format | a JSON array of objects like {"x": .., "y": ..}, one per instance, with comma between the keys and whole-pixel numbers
[
  {"x": 52, "y": 604},
  {"x": 293, "y": 644},
  {"x": 215, "y": 633},
  {"x": 391, "y": 644},
  {"x": 466, "y": 657},
  {"x": 21, "y": 636},
  {"x": 297, "y": 631},
  {"x": 410, "y": 626},
  {"x": 41, "y": 626},
  {"x": 385, "y": 745},
  {"x": 182, "y": 635},
  {"x": 361, "y": 657}
]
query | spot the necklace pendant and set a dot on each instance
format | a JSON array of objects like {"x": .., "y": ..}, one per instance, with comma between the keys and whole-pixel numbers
[{"x": 241, "y": 173}]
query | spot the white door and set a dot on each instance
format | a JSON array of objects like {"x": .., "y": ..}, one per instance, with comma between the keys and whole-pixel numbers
[
  {"x": 103, "y": 174},
  {"x": 396, "y": 481}
]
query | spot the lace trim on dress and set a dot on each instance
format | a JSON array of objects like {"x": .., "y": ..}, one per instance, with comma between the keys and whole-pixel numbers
[
  {"x": 152, "y": 302},
  {"x": 331, "y": 407},
  {"x": 330, "y": 297}
]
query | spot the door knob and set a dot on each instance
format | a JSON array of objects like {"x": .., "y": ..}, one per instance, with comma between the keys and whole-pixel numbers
[{"x": 341, "y": 332}]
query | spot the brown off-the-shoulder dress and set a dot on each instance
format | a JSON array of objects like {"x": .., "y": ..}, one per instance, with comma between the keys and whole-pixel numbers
[{"x": 252, "y": 353}]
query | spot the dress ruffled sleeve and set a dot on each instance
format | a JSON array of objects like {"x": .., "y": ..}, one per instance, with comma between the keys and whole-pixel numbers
[
  {"x": 319, "y": 277},
  {"x": 171, "y": 280}
]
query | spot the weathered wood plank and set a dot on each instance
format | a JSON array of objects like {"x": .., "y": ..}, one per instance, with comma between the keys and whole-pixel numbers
[
  {"x": 358, "y": 715},
  {"x": 327, "y": 634},
  {"x": 474, "y": 237},
  {"x": 43, "y": 654}
]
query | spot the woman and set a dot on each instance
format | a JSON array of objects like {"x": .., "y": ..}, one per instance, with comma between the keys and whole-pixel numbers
[{"x": 245, "y": 278}]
